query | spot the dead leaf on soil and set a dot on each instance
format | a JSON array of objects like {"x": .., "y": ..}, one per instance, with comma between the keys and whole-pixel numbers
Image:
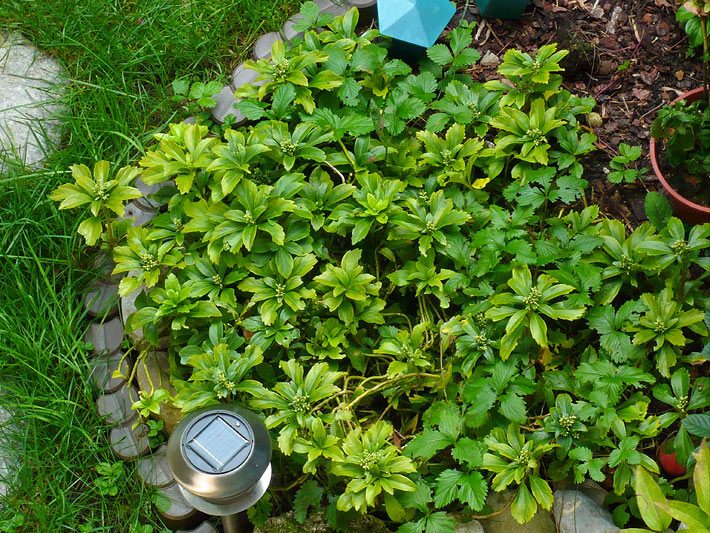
[{"x": 642, "y": 95}]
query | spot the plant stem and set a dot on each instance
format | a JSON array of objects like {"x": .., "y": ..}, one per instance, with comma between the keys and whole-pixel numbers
[
  {"x": 386, "y": 384},
  {"x": 706, "y": 58}
]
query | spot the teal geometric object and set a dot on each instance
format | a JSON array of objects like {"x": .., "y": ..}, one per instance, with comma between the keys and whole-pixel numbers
[
  {"x": 502, "y": 9},
  {"x": 417, "y": 22}
]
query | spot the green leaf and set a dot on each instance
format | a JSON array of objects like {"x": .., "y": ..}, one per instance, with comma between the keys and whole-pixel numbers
[
  {"x": 440, "y": 523},
  {"x": 512, "y": 407},
  {"x": 698, "y": 425},
  {"x": 541, "y": 491},
  {"x": 658, "y": 209},
  {"x": 469, "y": 452},
  {"x": 447, "y": 487},
  {"x": 701, "y": 477},
  {"x": 524, "y": 505},
  {"x": 90, "y": 229},
  {"x": 648, "y": 494},
  {"x": 691, "y": 515},
  {"x": 439, "y": 54},
  {"x": 309, "y": 495},
  {"x": 427, "y": 444}
]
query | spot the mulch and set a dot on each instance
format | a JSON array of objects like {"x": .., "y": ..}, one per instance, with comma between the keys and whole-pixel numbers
[{"x": 630, "y": 55}]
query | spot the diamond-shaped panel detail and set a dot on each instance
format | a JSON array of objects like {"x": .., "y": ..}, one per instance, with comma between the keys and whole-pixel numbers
[
  {"x": 217, "y": 444},
  {"x": 417, "y": 22}
]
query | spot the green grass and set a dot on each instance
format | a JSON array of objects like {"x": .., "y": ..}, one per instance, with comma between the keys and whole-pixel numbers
[{"x": 120, "y": 58}]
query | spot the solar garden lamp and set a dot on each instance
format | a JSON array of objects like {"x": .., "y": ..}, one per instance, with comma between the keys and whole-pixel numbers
[{"x": 220, "y": 457}]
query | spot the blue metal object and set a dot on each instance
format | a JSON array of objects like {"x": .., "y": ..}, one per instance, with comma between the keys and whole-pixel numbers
[{"x": 417, "y": 22}]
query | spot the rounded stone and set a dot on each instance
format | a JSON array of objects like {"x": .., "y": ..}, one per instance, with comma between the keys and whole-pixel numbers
[
  {"x": 243, "y": 76},
  {"x": 262, "y": 46},
  {"x": 177, "y": 512},
  {"x": 154, "y": 470},
  {"x": 102, "y": 372},
  {"x": 139, "y": 212},
  {"x": 148, "y": 202},
  {"x": 225, "y": 107},
  {"x": 332, "y": 8},
  {"x": 105, "y": 338},
  {"x": 128, "y": 307},
  {"x": 30, "y": 83},
  {"x": 288, "y": 31},
  {"x": 101, "y": 299},
  {"x": 116, "y": 407},
  {"x": 129, "y": 443},
  {"x": 204, "y": 527},
  {"x": 575, "y": 512}
]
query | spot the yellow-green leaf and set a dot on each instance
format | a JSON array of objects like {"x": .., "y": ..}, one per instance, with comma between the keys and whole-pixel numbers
[{"x": 649, "y": 496}]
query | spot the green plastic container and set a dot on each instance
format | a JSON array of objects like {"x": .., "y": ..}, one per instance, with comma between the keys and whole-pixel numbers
[{"x": 502, "y": 9}]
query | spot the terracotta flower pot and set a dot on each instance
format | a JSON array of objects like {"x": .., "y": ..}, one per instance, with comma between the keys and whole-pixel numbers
[
  {"x": 668, "y": 459},
  {"x": 685, "y": 209}
]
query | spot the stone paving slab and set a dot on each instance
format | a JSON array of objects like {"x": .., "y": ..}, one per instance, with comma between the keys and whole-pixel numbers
[
  {"x": 6, "y": 459},
  {"x": 30, "y": 83}
]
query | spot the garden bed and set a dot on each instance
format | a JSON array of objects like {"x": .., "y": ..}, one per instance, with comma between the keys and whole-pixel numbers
[
  {"x": 399, "y": 268},
  {"x": 631, "y": 56}
]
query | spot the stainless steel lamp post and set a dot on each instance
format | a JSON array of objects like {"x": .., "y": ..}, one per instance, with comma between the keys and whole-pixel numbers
[{"x": 220, "y": 457}]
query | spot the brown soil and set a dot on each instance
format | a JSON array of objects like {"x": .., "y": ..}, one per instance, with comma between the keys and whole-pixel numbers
[{"x": 628, "y": 54}]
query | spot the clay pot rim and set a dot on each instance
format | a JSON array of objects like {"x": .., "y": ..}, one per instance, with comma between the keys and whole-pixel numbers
[{"x": 692, "y": 95}]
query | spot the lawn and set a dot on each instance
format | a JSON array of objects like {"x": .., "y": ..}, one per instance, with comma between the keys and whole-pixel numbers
[{"x": 120, "y": 58}]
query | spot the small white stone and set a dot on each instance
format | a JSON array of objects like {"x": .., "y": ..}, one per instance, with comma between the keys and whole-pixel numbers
[{"x": 489, "y": 59}]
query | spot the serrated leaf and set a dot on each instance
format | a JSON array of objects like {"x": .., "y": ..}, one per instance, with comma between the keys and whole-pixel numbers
[
  {"x": 698, "y": 425},
  {"x": 427, "y": 444},
  {"x": 469, "y": 452},
  {"x": 658, "y": 209},
  {"x": 439, "y": 54}
]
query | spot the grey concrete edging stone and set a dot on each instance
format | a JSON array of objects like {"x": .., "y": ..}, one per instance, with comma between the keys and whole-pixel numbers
[
  {"x": 154, "y": 470},
  {"x": 129, "y": 442},
  {"x": 106, "y": 337},
  {"x": 177, "y": 511},
  {"x": 8, "y": 452},
  {"x": 102, "y": 372},
  {"x": 101, "y": 299},
  {"x": 242, "y": 76},
  {"x": 140, "y": 213},
  {"x": 116, "y": 406},
  {"x": 262, "y": 46},
  {"x": 225, "y": 107},
  {"x": 204, "y": 527},
  {"x": 30, "y": 84}
]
